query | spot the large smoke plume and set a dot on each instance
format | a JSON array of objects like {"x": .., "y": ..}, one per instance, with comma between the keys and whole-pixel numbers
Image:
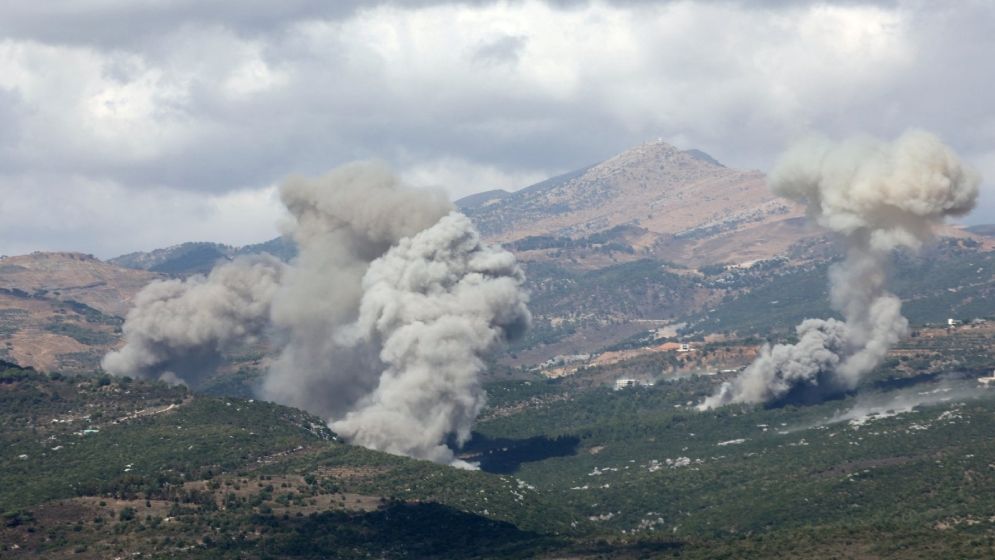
[
  {"x": 433, "y": 304},
  {"x": 878, "y": 196},
  {"x": 381, "y": 321},
  {"x": 340, "y": 222}
]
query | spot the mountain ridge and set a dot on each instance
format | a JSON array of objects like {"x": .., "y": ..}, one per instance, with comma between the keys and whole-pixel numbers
[
  {"x": 689, "y": 205},
  {"x": 199, "y": 257}
]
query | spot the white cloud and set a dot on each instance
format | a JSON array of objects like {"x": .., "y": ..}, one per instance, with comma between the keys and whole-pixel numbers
[
  {"x": 461, "y": 178},
  {"x": 53, "y": 212},
  {"x": 193, "y": 101}
]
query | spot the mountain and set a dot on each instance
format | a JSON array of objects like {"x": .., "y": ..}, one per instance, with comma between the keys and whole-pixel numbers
[
  {"x": 63, "y": 311},
  {"x": 200, "y": 257},
  {"x": 652, "y": 237},
  {"x": 626, "y": 260},
  {"x": 74, "y": 277},
  {"x": 481, "y": 199},
  {"x": 686, "y": 207},
  {"x": 189, "y": 258}
]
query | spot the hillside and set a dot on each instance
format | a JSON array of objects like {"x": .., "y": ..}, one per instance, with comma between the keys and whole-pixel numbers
[
  {"x": 63, "y": 311},
  {"x": 987, "y": 230},
  {"x": 96, "y": 468},
  {"x": 688, "y": 207},
  {"x": 74, "y": 277},
  {"x": 199, "y": 257}
]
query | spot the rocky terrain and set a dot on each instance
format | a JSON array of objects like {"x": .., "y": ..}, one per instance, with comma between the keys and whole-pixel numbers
[
  {"x": 74, "y": 277},
  {"x": 63, "y": 311},
  {"x": 682, "y": 206}
]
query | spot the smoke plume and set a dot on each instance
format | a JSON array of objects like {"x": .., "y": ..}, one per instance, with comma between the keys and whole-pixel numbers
[
  {"x": 434, "y": 303},
  {"x": 178, "y": 329},
  {"x": 878, "y": 197},
  {"x": 381, "y": 320},
  {"x": 340, "y": 222}
]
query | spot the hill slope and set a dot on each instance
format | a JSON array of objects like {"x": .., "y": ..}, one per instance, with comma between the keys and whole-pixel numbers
[
  {"x": 682, "y": 201},
  {"x": 98, "y": 468},
  {"x": 76, "y": 277},
  {"x": 200, "y": 257}
]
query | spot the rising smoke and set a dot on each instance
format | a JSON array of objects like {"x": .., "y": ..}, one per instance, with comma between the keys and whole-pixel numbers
[
  {"x": 878, "y": 196},
  {"x": 435, "y": 303},
  {"x": 340, "y": 222},
  {"x": 381, "y": 321},
  {"x": 178, "y": 329}
]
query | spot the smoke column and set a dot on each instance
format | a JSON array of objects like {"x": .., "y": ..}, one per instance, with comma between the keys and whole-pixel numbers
[
  {"x": 878, "y": 196},
  {"x": 341, "y": 222},
  {"x": 436, "y": 302},
  {"x": 178, "y": 328},
  {"x": 381, "y": 320}
]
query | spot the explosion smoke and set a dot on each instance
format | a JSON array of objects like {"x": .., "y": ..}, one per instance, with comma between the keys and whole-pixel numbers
[
  {"x": 436, "y": 302},
  {"x": 879, "y": 196},
  {"x": 381, "y": 320},
  {"x": 341, "y": 222},
  {"x": 178, "y": 328}
]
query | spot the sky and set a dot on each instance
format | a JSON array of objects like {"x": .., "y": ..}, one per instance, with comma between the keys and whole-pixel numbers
[{"x": 129, "y": 125}]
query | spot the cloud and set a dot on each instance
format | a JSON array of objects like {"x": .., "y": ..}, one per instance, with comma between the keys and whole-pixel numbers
[
  {"x": 504, "y": 49},
  {"x": 207, "y": 97},
  {"x": 56, "y": 212}
]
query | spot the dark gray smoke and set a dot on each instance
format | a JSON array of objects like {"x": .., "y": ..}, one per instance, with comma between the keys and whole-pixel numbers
[
  {"x": 382, "y": 319},
  {"x": 178, "y": 329},
  {"x": 878, "y": 196}
]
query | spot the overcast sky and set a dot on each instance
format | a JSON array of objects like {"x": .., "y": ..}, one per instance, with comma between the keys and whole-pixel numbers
[{"x": 129, "y": 125}]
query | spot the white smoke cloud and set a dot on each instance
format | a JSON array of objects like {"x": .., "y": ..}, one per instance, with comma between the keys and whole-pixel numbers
[
  {"x": 382, "y": 320},
  {"x": 435, "y": 302},
  {"x": 178, "y": 328},
  {"x": 878, "y": 196}
]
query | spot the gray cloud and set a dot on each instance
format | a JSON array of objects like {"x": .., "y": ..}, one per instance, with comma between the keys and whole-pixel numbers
[
  {"x": 504, "y": 49},
  {"x": 192, "y": 97}
]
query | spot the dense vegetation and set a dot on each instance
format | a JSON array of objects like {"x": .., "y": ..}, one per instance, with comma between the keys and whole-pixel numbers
[
  {"x": 94, "y": 467},
  {"x": 946, "y": 282}
]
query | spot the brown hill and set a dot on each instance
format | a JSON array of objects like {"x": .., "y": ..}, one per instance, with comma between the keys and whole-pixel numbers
[
  {"x": 74, "y": 276},
  {"x": 656, "y": 201},
  {"x": 63, "y": 311},
  {"x": 686, "y": 206}
]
